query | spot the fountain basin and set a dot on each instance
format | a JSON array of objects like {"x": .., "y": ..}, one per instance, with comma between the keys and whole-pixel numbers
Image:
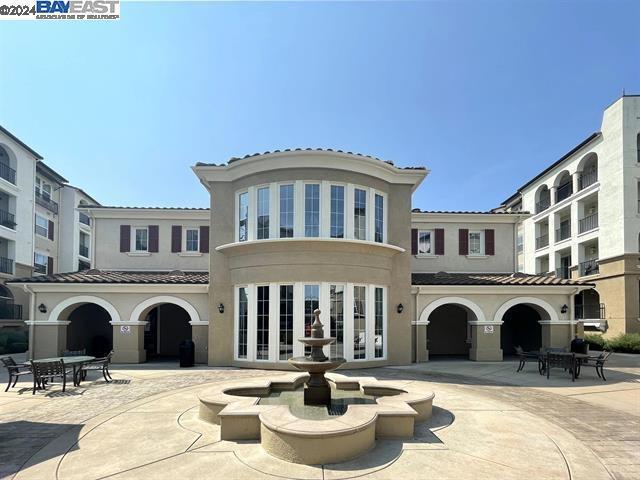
[
  {"x": 241, "y": 416},
  {"x": 311, "y": 366}
]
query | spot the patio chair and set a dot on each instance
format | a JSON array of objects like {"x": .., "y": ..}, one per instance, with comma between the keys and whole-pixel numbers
[
  {"x": 74, "y": 353},
  {"x": 561, "y": 360},
  {"x": 97, "y": 365},
  {"x": 14, "y": 370},
  {"x": 47, "y": 371},
  {"x": 524, "y": 356},
  {"x": 598, "y": 363}
]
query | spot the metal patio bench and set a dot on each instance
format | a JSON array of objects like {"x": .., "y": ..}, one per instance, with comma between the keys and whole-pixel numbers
[
  {"x": 44, "y": 372},
  {"x": 524, "y": 356},
  {"x": 561, "y": 360},
  {"x": 598, "y": 363},
  {"x": 97, "y": 365},
  {"x": 14, "y": 370}
]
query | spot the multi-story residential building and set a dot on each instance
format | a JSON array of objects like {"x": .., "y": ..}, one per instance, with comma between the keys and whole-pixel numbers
[
  {"x": 585, "y": 220},
  {"x": 38, "y": 217},
  {"x": 290, "y": 232}
]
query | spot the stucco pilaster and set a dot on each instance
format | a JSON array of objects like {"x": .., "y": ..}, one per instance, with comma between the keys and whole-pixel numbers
[
  {"x": 128, "y": 342},
  {"x": 485, "y": 342}
]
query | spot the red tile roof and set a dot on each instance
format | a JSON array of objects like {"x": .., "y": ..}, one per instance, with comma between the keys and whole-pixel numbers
[
  {"x": 129, "y": 277},
  {"x": 500, "y": 279}
]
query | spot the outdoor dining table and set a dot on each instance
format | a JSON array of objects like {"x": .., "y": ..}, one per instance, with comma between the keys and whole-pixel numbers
[
  {"x": 579, "y": 357},
  {"x": 76, "y": 362}
]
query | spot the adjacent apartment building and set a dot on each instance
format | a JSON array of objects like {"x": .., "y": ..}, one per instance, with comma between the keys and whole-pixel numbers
[
  {"x": 41, "y": 230},
  {"x": 291, "y": 231}
]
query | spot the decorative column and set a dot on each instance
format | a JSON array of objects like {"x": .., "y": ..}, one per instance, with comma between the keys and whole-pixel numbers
[
  {"x": 557, "y": 334},
  {"x": 128, "y": 342},
  {"x": 485, "y": 341},
  {"x": 420, "y": 342},
  {"x": 200, "y": 336},
  {"x": 49, "y": 337}
]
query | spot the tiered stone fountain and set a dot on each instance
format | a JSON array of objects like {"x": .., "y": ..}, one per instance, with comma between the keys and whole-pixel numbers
[{"x": 317, "y": 390}]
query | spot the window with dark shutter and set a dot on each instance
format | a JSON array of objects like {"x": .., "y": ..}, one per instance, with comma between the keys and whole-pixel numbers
[
  {"x": 50, "y": 234},
  {"x": 204, "y": 239},
  {"x": 154, "y": 234},
  {"x": 414, "y": 241},
  {"x": 49, "y": 265},
  {"x": 489, "y": 242},
  {"x": 463, "y": 241},
  {"x": 439, "y": 244},
  {"x": 125, "y": 238},
  {"x": 176, "y": 238}
]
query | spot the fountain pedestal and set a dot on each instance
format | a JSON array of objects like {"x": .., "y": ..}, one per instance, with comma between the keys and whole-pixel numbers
[{"x": 317, "y": 390}]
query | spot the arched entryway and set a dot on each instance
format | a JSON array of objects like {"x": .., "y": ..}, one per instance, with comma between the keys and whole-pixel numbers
[
  {"x": 89, "y": 327},
  {"x": 522, "y": 328},
  {"x": 168, "y": 323},
  {"x": 448, "y": 329}
]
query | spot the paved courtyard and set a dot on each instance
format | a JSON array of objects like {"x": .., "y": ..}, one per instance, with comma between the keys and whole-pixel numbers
[{"x": 489, "y": 422}]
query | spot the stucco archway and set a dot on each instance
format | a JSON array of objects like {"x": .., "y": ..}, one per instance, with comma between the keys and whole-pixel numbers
[
  {"x": 543, "y": 308},
  {"x": 64, "y": 307},
  {"x": 149, "y": 303},
  {"x": 428, "y": 310}
]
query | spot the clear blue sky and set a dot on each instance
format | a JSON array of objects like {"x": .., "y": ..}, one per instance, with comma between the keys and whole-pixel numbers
[{"x": 485, "y": 94}]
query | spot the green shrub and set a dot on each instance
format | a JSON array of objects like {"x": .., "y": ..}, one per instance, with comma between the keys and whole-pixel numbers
[
  {"x": 12, "y": 336},
  {"x": 595, "y": 341},
  {"x": 17, "y": 347},
  {"x": 624, "y": 343}
]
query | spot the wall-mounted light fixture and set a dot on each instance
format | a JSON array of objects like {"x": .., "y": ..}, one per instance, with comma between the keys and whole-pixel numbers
[
  {"x": 400, "y": 308},
  {"x": 564, "y": 309},
  {"x": 221, "y": 308},
  {"x": 42, "y": 307}
]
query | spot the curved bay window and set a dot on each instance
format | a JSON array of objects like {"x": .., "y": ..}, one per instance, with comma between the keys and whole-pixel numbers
[
  {"x": 307, "y": 209},
  {"x": 270, "y": 318}
]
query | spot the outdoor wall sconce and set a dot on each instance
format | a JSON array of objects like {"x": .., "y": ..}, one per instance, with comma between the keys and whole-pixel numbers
[
  {"x": 221, "y": 308},
  {"x": 400, "y": 308},
  {"x": 564, "y": 309},
  {"x": 42, "y": 307}
]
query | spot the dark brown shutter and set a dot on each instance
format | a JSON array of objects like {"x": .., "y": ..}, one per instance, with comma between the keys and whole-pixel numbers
[
  {"x": 489, "y": 242},
  {"x": 49, "y": 265},
  {"x": 414, "y": 241},
  {"x": 50, "y": 230},
  {"x": 463, "y": 241},
  {"x": 154, "y": 233},
  {"x": 439, "y": 241},
  {"x": 125, "y": 238},
  {"x": 204, "y": 239},
  {"x": 176, "y": 238}
]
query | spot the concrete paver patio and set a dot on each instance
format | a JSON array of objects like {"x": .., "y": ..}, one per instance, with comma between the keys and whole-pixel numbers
[{"x": 489, "y": 422}]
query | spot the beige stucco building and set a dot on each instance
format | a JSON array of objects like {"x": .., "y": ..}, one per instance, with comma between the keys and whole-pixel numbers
[{"x": 289, "y": 232}]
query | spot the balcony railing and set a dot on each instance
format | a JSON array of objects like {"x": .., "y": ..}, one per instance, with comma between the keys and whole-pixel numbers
[
  {"x": 588, "y": 223},
  {"x": 591, "y": 312},
  {"x": 563, "y": 232},
  {"x": 588, "y": 178},
  {"x": 564, "y": 191},
  {"x": 39, "y": 268},
  {"x": 563, "y": 272},
  {"x": 6, "y": 265},
  {"x": 10, "y": 311},
  {"x": 83, "y": 265},
  {"x": 84, "y": 251},
  {"x": 46, "y": 202},
  {"x": 7, "y": 219},
  {"x": 8, "y": 173},
  {"x": 590, "y": 267},
  {"x": 542, "y": 241},
  {"x": 542, "y": 205},
  {"x": 84, "y": 218}
]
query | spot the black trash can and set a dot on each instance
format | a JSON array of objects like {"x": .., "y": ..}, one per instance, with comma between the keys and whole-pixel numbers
[
  {"x": 579, "y": 345},
  {"x": 187, "y": 353}
]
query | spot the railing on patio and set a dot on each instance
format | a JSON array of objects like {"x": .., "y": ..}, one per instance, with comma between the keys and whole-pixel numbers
[
  {"x": 46, "y": 202},
  {"x": 83, "y": 265},
  {"x": 542, "y": 241},
  {"x": 542, "y": 205},
  {"x": 564, "y": 191},
  {"x": 587, "y": 178},
  {"x": 587, "y": 223},
  {"x": 590, "y": 267},
  {"x": 10, "y": 311},
  {"x": 590, "y": 312},
  {"x": 563, "y": 232},
  {"x": 84, "y": 251},
  {"x": 84, "y": 218},
  {"x": 39, "y": 268},
  {"x": 6, "y": 265},
  {"x": 7, "y": 219},
  {"x": 8, "y": 173},
  {"x": 563, "y": 272}
]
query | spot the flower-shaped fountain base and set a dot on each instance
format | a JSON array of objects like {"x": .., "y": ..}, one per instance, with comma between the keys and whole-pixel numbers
[{"x": 317, "y": 390}]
